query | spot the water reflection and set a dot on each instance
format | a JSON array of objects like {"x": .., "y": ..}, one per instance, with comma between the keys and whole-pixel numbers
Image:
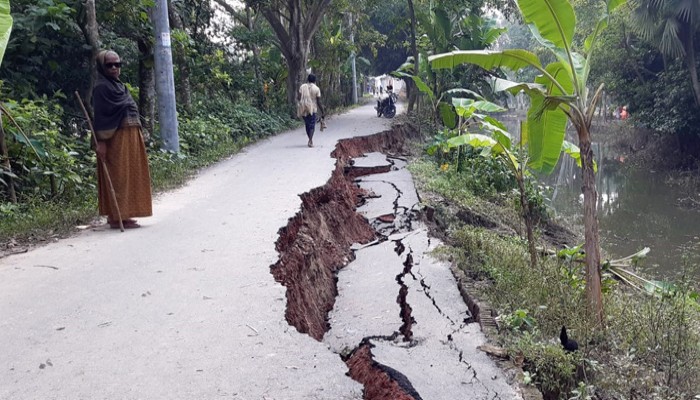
[{"x": 636, "y": 208}]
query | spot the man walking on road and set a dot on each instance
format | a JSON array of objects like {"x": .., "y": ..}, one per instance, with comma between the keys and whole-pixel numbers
[{"x": 309, "y": 102}]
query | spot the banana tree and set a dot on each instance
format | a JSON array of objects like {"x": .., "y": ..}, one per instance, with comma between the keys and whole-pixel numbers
[
  {"x": 6, "y": 175},
  {"x": 558, "y": 94},
  {"x": 500, "y": 146}
]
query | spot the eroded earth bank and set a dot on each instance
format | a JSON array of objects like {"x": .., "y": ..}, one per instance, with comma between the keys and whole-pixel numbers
[{"x": 355, "y": 262}]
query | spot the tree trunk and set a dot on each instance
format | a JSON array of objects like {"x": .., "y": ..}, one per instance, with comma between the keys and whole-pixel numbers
[
  {"x": 184, "y": 92},
  {"x": 294, "y": 28},
  {"x": 590, "y": 221},
  {"x": 410, "y": 85},
  {"x": 692, "y": 67},
  {"x": 6, "y": 165},
  {"x": 147, "y": 85},
  {"x": 296, "y": 76},
  {"x": 604, "y": 107},
  {"x": 92, "y": 36},
  {"x": 527, "y": 216},
  {"x": 250, "y": 23}
]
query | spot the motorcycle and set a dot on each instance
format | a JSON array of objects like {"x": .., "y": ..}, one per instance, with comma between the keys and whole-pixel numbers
[{"x": 387, "y": 106}]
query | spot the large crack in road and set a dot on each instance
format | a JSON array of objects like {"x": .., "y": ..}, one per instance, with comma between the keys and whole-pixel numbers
[{"x": 361, "y": 280}]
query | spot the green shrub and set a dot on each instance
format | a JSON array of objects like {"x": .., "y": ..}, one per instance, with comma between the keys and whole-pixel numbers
[
  {"x": 55, "y": 167},
  {"x": 649, "y": 348},
  {"x": 47, "y": 160},
  {"x": 552, "y": 369},
  {"x": 201, "y": 133}
]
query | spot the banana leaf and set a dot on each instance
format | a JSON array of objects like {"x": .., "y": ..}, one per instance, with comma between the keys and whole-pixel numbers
[
  {"x": 555, "y": 19},
  {"x": 5, "y": 26},
  {"x": 545, "y": 136},
  {"x": 448, "y": 114},
  {"x": 504, "y": 85},
  {"x": 486, "y": 59}
]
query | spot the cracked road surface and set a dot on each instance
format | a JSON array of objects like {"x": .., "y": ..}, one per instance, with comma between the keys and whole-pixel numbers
[
  {"x": 186, "y": 307},
  {"x": 406, "y": 304}
]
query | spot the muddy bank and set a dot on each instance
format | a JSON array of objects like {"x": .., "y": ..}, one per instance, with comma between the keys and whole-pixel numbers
[{"x": 642, "y": 147}]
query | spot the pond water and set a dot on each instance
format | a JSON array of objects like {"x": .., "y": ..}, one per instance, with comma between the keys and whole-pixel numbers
[{"x": 636, "y": 209}]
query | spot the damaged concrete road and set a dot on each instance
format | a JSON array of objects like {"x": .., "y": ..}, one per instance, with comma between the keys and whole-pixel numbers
[
  {"x": 432, "y": 350},
  {"x": 187, "y": 307}
]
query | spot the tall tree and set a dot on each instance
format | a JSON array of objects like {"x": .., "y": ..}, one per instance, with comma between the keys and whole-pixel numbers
[
  {"x": 250, "y": 21},
  {"x": 294, "y": 23},
  {"x": 92, "y": 37},
  {"x": 672, "y": 25}
]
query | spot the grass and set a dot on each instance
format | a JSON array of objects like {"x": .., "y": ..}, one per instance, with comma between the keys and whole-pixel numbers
[
  {"x": 41, "y": 221},
  {"x": 649, "y": 347},
  {"x": 169, "y": 171}
]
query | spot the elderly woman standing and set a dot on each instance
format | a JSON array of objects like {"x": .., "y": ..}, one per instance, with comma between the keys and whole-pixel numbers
[{"x": 120, "y": 144}]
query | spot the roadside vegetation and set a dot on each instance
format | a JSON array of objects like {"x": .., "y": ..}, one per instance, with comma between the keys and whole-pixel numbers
[
  {"x": 637, "y": 337},
  {"x": 649, "y": 347},
  {"x": 57, "y": 187}
]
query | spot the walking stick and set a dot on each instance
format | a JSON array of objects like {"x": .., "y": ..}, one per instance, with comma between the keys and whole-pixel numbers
[{"x": 104, "y": 164}]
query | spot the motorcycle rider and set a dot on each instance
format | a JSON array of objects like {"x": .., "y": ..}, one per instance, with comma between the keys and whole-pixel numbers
[{"x": 384, "y": 100}]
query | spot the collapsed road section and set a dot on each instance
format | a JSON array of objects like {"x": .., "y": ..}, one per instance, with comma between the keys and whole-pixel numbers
[{"x": 359, "y": 276}]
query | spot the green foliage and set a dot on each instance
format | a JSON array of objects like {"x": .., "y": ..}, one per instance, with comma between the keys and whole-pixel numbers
[
  {"x": 42, "y": 55},
  {"x": 561, "y": 94},
  {"x": 656, "y": 87},
  {"x": 469, "y": 171},
  {"x": 519, "y": 320},
  {"x": 51, "y": 164},
  {"x": 650, "y": 344},
  {"x": 201, "y": 133},
  {"x": 660, "y": 332},
  {"x": 663, "y": 102},
  {"x": 553, "y": 370},
  {"x": 5, "y": 26},
  {"x": 665, "y": 24},
  {"x": 218, "y": 122}
]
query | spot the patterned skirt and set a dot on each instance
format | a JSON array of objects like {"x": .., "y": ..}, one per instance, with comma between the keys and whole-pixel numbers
[{"x": 127, "y": 164}]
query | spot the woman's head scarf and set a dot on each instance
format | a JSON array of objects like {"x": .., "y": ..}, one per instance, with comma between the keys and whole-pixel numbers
[
  {"x": 100, "y": 61},
  {"x": 111, "y": 100}
]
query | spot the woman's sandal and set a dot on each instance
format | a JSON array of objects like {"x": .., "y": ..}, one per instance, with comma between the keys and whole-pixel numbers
[{"x": 128, "y": 224}]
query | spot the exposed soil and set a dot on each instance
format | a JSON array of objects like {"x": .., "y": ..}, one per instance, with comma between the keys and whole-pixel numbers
[
  {"x": 315, "y": 245},
  {"x": 381, "y": 382}
]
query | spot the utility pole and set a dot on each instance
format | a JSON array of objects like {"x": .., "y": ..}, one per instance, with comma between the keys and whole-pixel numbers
[
  {"x": 352, "y": 63},
  {"x": 165, "y": 80}
]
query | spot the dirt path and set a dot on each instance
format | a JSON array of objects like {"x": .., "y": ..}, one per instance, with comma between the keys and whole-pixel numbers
[{"x": 186, "y": 306}]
